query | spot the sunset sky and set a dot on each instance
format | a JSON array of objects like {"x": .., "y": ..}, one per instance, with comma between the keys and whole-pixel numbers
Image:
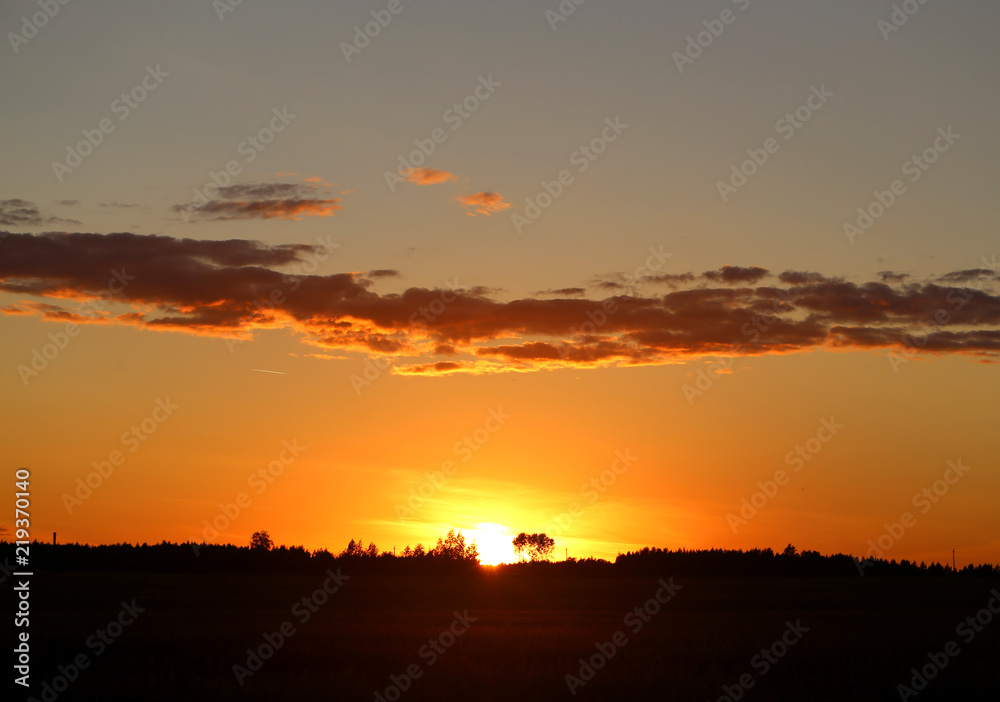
[{"x": 599, "y": 275}]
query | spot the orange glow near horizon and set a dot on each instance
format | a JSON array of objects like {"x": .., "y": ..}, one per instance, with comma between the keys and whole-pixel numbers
[{"x": 548, "y": 468}]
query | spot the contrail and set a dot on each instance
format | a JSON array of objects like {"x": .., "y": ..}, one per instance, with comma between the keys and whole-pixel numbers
[{"x": 267, "y": 371}]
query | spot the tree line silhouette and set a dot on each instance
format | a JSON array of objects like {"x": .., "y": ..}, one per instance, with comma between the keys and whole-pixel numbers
[{"x": 451, "y": 554}]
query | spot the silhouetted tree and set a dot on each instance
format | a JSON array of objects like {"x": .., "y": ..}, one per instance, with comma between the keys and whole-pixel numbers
[
  {"x": 453, "y": 548},
  {"x": 520, "y": 544},
  {"x": 354, "y": 549},
  {"x": 261, "y": 540},
  {"x": 537, "y": 547}
]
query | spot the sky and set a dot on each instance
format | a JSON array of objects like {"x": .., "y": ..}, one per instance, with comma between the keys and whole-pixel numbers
[{"x": 689, "y": 275}]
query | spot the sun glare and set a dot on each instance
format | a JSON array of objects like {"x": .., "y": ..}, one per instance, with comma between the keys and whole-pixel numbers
[{"x": 493, "y": 542}]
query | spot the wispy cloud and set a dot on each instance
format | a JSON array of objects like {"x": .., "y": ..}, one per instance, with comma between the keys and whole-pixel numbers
[
  {"x": 429, "y": 176},
  {"x": 22, "y": 213},
  {"x": 484, "y": 203},
  {"x": 263, "y": 201}
]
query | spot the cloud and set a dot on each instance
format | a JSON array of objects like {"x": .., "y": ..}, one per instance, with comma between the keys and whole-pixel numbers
[
  {"x": 455, "y": 367},
  {"x": 439, "y": 368},
  {"x": 735, "y": 274},
  {"x": 429, "y": 176},
  {"x": 892, "y": 277},
  {"x": 383, "y": 273},
  {"x": 801, "y": 278},
  {"x": 54, "y": 313},
  {"x": 121, "y": 205},
  {"x": 263, "y": 201},
  {"x": 611, "y": 285},
  {"x": 232, "y": 288},
  {"x": 727, "y": 275},
  {"x": 21, "y": 213},
  {"x": 967, "y": 275},
  {"x": 671, "y": 279},
  {"x": 564, "y": 292},
  {"x": 484, "y": 203},
  {"x": 268, "y": 209}
]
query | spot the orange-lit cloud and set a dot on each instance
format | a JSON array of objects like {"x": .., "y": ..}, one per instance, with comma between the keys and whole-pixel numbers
[
  {"x": 263, "y": 201},
  {"x": 231, "y": 288},
  {"x": 467, "y": 367},
  {"x": 268, "y": 209},
  {"x": 429, "y": 176},
  {"x": 484, "y": 203}
]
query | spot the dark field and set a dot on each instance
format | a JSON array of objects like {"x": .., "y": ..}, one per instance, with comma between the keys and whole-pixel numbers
[{"x": 864, "y": 636}]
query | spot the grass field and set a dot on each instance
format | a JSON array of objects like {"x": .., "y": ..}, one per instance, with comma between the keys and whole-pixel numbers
[{"x": 864, "y": 637}]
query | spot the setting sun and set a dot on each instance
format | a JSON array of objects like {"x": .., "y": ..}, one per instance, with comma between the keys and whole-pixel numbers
[{"x": 493, "y": 542}]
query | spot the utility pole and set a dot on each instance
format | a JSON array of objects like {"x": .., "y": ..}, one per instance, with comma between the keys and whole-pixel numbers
[
  {"x": 53, "y": 538},
  {"x": 953, "y": 560}
]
